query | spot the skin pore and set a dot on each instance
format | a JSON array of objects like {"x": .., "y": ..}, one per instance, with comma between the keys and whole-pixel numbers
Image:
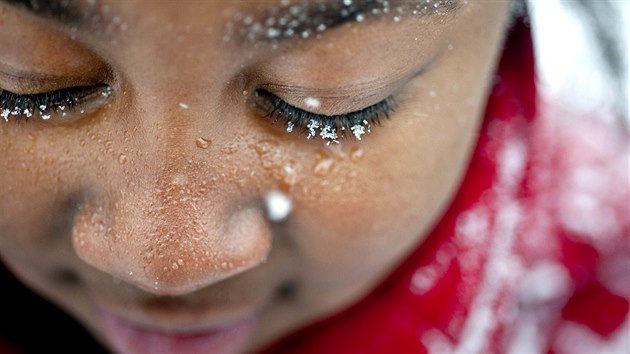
[{"x": 151, "y": 201}]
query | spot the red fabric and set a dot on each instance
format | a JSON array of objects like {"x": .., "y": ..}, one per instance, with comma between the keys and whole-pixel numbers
[
  {"x": 533, "y": 256},
  {"x": 6, "y": 348}
]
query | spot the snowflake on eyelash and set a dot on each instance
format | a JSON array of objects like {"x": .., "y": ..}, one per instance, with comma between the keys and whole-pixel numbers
[
  {"x": 330, "y": 133},
  {"x": 312, "y": 128},
  {"x": 358, "y": 131},
  {"x": 5, "y": 114}
]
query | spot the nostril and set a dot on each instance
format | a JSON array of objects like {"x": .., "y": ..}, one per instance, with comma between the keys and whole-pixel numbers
[
  {"x": 287, "y": 290},
  {"x": 66, "y": 276}
]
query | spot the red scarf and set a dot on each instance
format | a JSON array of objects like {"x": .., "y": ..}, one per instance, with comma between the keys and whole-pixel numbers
[{"x": 533, "y": 255}]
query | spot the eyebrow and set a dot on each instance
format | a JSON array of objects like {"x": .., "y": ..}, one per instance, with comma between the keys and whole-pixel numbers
[
  {"x": 301, "y": 19},
  {"x": 87, "y": 15},
  {"x": 311, "y": 18}
]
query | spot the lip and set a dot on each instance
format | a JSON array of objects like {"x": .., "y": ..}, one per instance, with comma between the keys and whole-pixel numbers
[{"x": 129, "y": 337}]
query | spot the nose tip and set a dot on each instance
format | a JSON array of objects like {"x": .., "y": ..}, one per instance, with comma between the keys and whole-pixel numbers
[{"x": 164, "y": 258}]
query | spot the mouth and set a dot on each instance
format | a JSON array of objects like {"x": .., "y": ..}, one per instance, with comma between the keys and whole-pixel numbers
[{"x": 130, "y": 337}]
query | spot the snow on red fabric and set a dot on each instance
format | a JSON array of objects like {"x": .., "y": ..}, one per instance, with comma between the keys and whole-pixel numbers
[{"x": 533, "y": 255}]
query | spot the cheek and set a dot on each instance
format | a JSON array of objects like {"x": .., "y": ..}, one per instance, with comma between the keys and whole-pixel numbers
[
  {"x": 378, "y": 197},
  {"x": 34, "y": 182}
]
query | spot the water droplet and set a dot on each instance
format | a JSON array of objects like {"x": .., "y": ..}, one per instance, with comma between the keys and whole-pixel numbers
[
  {"x": 323, "y": 166},
  {"x": 180, "y": 262},
  {"x": 202, "y": 143},
  {"x": 175, "y": 265},
  {"x": 268, "y": 152},
  {"x": 289, "y": 175},
  {"x": 356, "y": 154},
  {"x": 230, "y": 149},
  {"x": 122, "y": 159}
]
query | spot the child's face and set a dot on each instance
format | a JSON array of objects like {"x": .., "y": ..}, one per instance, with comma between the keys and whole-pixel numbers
[{"x": 150, "y": 205}]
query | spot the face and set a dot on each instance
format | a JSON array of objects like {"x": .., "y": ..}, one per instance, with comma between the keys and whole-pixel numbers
[{"x": 232, "y": 170}]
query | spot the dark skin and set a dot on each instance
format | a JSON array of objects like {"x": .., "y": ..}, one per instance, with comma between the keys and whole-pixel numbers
[{"x": 127, "y": 190}]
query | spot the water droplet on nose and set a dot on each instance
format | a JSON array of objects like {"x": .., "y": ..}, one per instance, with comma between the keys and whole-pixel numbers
[
  {"x": 229, "y": 149},
  {"x": 202, "y": 143},
  {"x": 356, "y": 154},
  {"x": 323, "y": 166},
  {"x": 268, "y": 152},
  {"x": 289, "y": 175},
  {"x": 122, "y": 158}
]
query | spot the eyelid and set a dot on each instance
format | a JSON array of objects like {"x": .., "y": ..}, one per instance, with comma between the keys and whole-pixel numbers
[
  {"x": 346, "y": 98},
  {"x": 27, "y": 82},
  {"x": 335, "y": 101},
  {"x": 328, "y": 104}
]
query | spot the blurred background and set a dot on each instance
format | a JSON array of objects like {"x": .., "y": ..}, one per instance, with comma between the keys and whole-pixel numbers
[{"x": 577, "y": 62}]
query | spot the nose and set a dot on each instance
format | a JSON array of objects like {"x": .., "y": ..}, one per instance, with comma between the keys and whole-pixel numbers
[{"x": 171, "y": 239}]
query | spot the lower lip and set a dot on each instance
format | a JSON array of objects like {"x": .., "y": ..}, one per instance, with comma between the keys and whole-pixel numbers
[{"x": 129, "y": 338}]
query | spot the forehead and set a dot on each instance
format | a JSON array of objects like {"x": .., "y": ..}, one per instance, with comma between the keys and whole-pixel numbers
[{"x": 244, "y": 20}]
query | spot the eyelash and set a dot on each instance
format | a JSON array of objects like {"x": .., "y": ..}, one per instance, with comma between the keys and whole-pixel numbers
[
  {"x": 65, "y": 100},
  {"x": 331, "y": 128}
]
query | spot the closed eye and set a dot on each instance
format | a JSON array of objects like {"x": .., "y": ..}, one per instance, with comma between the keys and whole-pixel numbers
[
  {"x": 330, "y": 128},
  {"x": 51, "y": 104}
]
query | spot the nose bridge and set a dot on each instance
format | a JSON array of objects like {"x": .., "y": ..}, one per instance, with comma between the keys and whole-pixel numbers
[{"x": 173, "y": 231}]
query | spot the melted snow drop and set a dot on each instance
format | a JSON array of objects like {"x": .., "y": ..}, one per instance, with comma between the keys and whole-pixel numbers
[
  {"x": 323, "y": 166},
  {"x": 122, "y": 159},
  {"x": 356, "y": 154},
  {"x": 202, "y": 143},
  {"x": 289, "y": 175}
]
